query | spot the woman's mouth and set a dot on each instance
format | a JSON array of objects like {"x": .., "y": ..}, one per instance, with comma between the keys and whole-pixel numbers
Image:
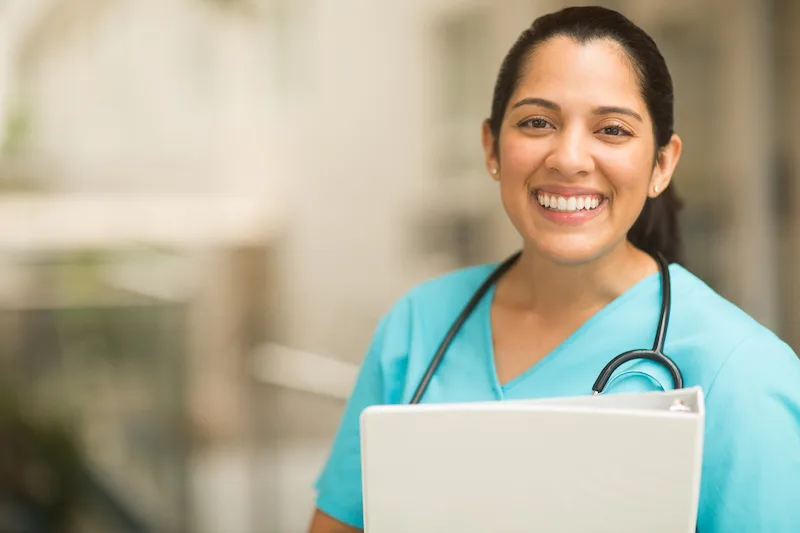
[
  {"x": 568, "y": 204},
  {"x": 569, "y": 209}
]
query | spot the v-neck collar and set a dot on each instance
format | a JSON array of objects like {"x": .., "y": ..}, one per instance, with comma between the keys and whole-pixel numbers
[{"x": 501, "y": 390}]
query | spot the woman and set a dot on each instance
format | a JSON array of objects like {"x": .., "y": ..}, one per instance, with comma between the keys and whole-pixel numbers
[{"x": 581, "y": 143}]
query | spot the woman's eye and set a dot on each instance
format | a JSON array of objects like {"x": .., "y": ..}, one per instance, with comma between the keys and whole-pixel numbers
[
  {"x": 615, "y": 131},
  {"x": 536, "y": 123}
]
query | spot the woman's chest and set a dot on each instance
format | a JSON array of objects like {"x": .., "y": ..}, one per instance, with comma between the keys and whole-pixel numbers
[
  {"x": 520, "y": 341},
  {"x": 488, "y": 364},
  {"x": 493, "y": 357}
]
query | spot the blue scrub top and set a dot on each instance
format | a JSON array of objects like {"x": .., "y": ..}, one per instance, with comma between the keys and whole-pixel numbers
[{"x": 751, "y": 379}]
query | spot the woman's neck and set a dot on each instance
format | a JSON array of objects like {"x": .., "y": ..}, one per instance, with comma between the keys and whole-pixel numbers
[{"x": 540, "y": 285}]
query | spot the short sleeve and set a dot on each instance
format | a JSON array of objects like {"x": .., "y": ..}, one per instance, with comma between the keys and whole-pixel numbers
[
  {"x": 339, "y": 484},
  {"x": 751, "y": 466}
]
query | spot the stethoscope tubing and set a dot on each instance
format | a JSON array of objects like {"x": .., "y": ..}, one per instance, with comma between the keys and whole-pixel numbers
[{"x": 656, "y": 354}]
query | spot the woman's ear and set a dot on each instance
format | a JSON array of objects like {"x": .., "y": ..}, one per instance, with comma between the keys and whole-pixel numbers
[
  {"x": 666, "y": 162},
  {"x": 492, "y": 163}
]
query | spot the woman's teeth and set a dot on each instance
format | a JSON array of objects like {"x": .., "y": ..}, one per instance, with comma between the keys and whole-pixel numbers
[{"x": 569, "y": 203}]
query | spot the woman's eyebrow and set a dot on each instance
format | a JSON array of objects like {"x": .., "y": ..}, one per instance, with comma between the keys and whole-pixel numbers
[
  {"x": 541, "y": 102},
  {"x": 616, "y": 110}
]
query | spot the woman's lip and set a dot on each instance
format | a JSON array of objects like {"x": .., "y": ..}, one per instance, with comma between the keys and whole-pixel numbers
[{"x": 567, "y": 191}]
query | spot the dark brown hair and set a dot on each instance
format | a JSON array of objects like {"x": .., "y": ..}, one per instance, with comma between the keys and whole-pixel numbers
[{"x": 657, "y": 229}]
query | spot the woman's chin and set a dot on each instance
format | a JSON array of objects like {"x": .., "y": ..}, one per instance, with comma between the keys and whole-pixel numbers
[{"x": 570, "y": 251}]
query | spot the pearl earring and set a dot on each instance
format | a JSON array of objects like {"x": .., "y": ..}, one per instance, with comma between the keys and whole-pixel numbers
[
  {"x": 657, "y": 189},
  {"x": 494, "y": 171}
]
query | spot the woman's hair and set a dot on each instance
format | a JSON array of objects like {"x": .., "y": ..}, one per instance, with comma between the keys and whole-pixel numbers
[{"x": 657, "y": 229}]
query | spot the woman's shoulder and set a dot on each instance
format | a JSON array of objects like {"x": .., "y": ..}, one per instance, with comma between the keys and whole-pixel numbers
[
  {"x": 719, "y": 335},
  {"x": 434, "y": 302},
  {"x": 704, "y": 310},
  {"x": 459, "y": 284},
  {"x": 444, "y": 291}
]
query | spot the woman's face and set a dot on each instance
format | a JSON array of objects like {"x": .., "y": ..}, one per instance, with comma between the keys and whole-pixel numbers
[{"x": 576, "y": 151}]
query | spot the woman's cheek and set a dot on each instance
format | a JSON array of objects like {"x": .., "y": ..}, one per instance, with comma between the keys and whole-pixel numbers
[
  {"x": 520, "y": 157},
  {"x": 626, "y": 169}
]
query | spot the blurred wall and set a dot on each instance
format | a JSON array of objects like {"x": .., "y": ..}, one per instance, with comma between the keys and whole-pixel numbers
[
  {"x": 149, "y": 96},
  {"x": 787, "y": 199}
]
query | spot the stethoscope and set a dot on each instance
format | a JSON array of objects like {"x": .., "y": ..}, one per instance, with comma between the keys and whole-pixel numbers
[{"x": 656, "y": 354}]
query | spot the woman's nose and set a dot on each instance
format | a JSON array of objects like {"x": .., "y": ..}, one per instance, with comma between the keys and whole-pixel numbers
[{"x": 570, "y": 154}]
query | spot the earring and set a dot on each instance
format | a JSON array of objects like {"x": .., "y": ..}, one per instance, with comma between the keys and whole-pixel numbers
[
  {"x": 657, "y": 188},
  {"x": 494, "y": 172}
]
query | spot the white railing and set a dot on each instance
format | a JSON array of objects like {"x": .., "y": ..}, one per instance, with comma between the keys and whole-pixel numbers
[
  {"x": 313, "y": 373},
  {"x": 69, "y": 221}
]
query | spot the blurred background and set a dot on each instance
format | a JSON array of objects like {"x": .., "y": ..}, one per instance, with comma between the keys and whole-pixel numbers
[{"x": 206, "y": 205}]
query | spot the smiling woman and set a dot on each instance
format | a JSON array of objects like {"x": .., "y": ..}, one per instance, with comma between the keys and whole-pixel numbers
[
  {"x": 581, "y": 144},
  {"x": 614, "y": 125}
]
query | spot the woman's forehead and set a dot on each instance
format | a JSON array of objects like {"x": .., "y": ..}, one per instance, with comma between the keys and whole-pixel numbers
[{"x": 597, "y": 72}]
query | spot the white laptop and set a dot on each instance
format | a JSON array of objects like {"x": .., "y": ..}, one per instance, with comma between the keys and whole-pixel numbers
[{"x": 624, "y": 463}]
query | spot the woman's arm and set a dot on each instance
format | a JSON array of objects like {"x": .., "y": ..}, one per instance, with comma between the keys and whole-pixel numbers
[
  {"x": 339, "y": 503},
  {"x": 751, "y": 465},
  {"x": 322, "y": 523}
]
